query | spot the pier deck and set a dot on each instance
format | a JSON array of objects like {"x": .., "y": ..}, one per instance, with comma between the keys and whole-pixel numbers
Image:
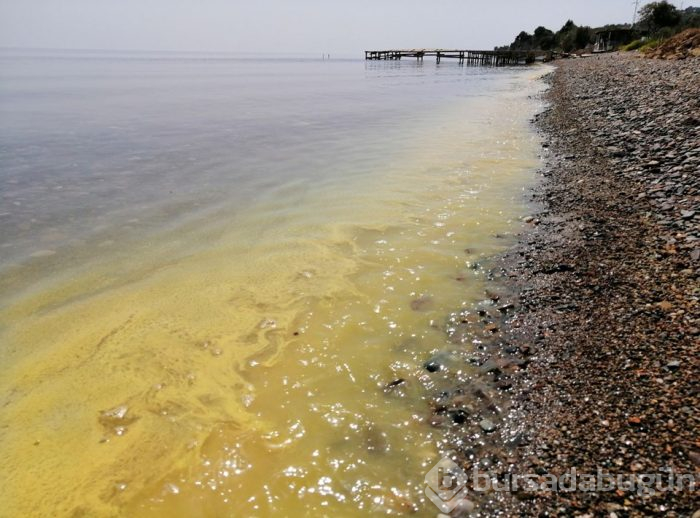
[{"x": 469, "y": 57}]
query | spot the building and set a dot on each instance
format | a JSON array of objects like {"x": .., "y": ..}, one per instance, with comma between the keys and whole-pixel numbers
[{"x": 608, "y": 40}]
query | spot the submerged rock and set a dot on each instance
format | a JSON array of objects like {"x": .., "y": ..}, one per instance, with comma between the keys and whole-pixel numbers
[
  {"x": 389, "y": 387},
  {"x": 115, "y": 420},
  {"x": 421, "y": 303},
  {"x": 432, "y": 366}
]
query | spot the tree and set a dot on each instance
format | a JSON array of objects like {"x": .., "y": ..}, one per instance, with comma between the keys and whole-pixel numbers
[
  {"x": 567, "y": 26},
  {"x": 566, "y": 37},
  {"x": 690, "y": 17},
  {"x": 543, "y": 39},
  {"x": 657, "y": 15},
  {"x": 523, "y": 41},
  {"x": 569, "y": 38},
  {"x": 582, "y": 37}
]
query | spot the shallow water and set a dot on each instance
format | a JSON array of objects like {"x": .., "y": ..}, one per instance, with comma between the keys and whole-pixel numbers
[{"x": 211, "y": 268}]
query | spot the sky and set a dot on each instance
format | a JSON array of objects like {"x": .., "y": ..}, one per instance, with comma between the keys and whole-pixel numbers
[{"x": 338, "y": 27}]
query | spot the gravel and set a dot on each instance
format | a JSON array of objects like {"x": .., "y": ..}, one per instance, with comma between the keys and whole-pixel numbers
[
  {"x": 609, "y": 288},
  {"x": 589, "y": 358}
]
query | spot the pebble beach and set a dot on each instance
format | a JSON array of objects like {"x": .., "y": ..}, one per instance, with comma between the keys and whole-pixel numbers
[{"x": 607, "y": 286}]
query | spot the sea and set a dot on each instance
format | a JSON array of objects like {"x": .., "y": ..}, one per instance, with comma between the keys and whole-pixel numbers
[{"x": 213, "y": 265}]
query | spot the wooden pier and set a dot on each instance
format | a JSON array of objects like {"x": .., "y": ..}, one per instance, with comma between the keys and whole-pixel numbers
[{"x": 494, "y": 58}]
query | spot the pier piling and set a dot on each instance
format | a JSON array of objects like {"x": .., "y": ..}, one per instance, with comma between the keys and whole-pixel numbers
[{"x": 496, "y": 58}]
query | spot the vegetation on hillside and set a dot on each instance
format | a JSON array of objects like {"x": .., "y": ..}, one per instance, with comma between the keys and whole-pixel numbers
[
  {"x": 566, "y": 39},
  {"x": 680, "y": 46},
  {"x": 657, "y": 21}
]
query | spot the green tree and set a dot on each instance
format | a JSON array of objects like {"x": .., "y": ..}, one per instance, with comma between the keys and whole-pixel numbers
[
  {"x": 690, "y": 17},
  {"x": 569, "y": 38},
  {"x": 523, "y": 41},
  {"x": 582, "y": 37},
  {"x": 657, "y": 15},
  {"x": 543, "y": 39},
  {"x": 569, "y": 25},
  {"x": 572, "y": 37},
  {"x": 565, "y": 39}
]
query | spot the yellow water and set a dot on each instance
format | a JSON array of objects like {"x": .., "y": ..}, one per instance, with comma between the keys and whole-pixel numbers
[{"x": 245, "y": 377}]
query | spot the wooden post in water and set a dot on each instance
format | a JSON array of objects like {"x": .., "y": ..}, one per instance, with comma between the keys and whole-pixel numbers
[{"x": 471, "y": 57}]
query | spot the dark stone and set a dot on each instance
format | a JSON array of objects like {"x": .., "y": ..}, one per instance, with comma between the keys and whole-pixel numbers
[
  {"x": 393, "y": 384},
  {"x": 459, "y": 416},
  {"x": 673, "y": 365},
  {"x": 432, "y": 366},
  {"x": 562, "y": 267}
]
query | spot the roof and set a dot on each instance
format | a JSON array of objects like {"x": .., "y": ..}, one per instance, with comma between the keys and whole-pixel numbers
[{"x": 621, "y": 29}]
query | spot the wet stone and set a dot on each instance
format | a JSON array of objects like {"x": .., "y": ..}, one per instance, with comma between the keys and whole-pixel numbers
[
  {"x": 487, "y": 425},
  {"x": 459, "y": 416},
  {"x": 432, "y": 366},
  {"x": 389, "y": 387},
  {"x": 506, "y": 307},
  {"x": 421, "y": 303},
  {"x": 116, "y": 420}
]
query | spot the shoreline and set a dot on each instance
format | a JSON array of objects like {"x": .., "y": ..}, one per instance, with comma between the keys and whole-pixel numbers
[
  {"x": 266, "y": 327},
  {"x": 608, "y": 286}
]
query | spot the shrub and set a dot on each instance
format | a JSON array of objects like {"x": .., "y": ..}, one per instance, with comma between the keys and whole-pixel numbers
[
  {"x": 634, "y": 45},
  {"x": 651, "y": 45}
]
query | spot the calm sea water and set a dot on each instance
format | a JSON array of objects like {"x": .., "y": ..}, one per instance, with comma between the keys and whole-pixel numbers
[
  {"x": 90, "y": 141},
  {"x": 207, "y": 266}
]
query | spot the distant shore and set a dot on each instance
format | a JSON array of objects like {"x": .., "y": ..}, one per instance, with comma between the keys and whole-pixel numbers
[{"x": 608, "y": 281}]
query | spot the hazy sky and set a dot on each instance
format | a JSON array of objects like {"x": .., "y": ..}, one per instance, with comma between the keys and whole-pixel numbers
[{"x": 341, "y": 27}]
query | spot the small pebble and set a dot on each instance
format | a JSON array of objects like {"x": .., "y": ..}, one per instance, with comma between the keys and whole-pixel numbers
[
  {"x": 487, "y": 425},
  {"x": 432, "y": 366}
]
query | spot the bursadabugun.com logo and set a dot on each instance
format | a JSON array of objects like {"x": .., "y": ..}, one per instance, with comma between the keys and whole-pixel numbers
[{"x": 448, "y": 485}]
